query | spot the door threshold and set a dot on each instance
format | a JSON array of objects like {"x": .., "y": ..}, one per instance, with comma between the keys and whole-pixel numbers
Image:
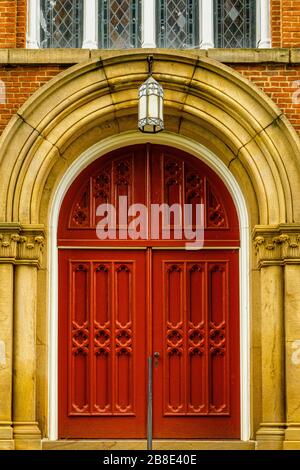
[{"x": 141, "y": 444}]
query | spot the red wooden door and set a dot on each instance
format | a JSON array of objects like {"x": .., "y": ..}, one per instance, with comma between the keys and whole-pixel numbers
[
  {"x": 102, "y": 344},
  {"x": 122, "y": 300},
  {"x": 196, "y": 333}
]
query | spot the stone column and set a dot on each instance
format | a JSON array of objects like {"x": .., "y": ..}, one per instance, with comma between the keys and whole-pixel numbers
[
  {"x": 270, "y": 434},
  {"x": 291, "y": 255},
  {"x": 26, "y": 432},
  {"x": 8, "y": 245}
]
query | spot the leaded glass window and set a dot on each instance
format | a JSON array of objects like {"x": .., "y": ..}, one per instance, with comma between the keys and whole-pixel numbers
[
  {"x": 235, "y": 23},
  {"x": 119, "y": 24},
  {"x": 177, "y": 23},
  {"x": 61, "y": 23}
]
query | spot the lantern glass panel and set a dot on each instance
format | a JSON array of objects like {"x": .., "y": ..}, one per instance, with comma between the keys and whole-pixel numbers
[
  {"x": 153, "y": 106},
  {"x": 142, "y": 107}
]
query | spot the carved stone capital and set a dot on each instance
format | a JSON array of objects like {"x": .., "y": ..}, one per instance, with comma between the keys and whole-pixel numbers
[
  {"x": 290, "y": 246},
  {"x": 21, "y": 245},
  {"x": 267, "y": 249},
  {"x": 8, "y": 245},
  {"x": 30, "y": 248},
  {"x": 277, "y": 245}
]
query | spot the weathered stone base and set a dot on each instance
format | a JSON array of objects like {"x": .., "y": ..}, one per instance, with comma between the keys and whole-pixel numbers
[
  {"x": 292, "y": 432},
  {"x": 270, "y": 437},
  {"x": 6, "y": 430},
  {"x": 6, "y": 436},
  {"x": 292, "y": 437},
  {"x": 27, "y": 436},
  {"x": 31, "y": 443},
  {"x": 291, "y": 445},
  {"x": 7, "y": 444},
  {"x": 142, "y": 445}
]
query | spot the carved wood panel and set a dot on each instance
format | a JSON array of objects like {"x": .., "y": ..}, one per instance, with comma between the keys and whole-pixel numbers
[
  {"x": 196, "y": 332},
  {"x": 148, "y": 174},
  {"x": 196, "y": 339},
  {"x": 102, "y": 354}
]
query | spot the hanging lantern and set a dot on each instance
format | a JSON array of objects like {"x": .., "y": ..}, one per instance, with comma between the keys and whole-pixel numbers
[{"x": 151, "y": 101}]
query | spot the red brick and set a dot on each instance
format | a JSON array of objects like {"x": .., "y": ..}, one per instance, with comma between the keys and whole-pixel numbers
[{"x": 281, "y": 92}]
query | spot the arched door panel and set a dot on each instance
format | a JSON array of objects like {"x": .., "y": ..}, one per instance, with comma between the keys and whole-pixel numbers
[
  {"x": 122, "y": 300},
  {"x": 148, "y": 175}
]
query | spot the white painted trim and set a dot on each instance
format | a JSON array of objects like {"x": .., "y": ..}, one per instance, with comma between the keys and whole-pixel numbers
[
  {"x": 33, "y": 24},
  {"x": 258, "y": 21},
  {"x": 206, "y": 24},
  {"x": 148, "y": 23},
  {"x": 90, "y": 21},
  {"x": 194, "y": 148},
  {"x": 263, "y": 28}
]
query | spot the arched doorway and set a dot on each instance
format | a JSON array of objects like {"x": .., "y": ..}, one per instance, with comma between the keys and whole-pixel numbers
[
  {"x": 87, "y": 111},
  {"x": 122, "y": 301}
]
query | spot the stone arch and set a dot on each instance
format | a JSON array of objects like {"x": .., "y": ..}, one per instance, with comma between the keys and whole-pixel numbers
[
  {"x": 207, "y": 103},
  {"x": 204, "y": 100}
]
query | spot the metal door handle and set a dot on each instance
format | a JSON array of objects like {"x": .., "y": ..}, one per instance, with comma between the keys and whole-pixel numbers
[{"x": 156, "y": 357}]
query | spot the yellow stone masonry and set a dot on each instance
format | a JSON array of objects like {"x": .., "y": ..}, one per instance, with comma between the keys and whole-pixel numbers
[{"x": 207, "y": 103}]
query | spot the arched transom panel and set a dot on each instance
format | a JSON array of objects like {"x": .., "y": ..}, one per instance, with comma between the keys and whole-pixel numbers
[{"x": 158, "y": 178}]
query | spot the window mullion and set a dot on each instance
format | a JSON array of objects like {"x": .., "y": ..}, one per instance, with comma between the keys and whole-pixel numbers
[
  {"x": 206, "y": 24},
  {"x": 264, "y": 41},
  {"x": 90, "y": 24},
  {"x": 148, "y": 23},
  {"x": 33, "y": 24}
]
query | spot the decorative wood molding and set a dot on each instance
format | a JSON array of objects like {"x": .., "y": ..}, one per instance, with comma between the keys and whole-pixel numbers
[
  {"x": 20, "y": 245},
  {"x": 277, "y": 245}
]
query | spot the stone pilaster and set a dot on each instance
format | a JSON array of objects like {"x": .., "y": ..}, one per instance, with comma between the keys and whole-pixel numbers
[
  {"x": 270, "y": 434},
  {"x": 9, "y": 237},
  {"x": 280, "y": 247},
  {"x": 291, "y": 255},
  {"x": 26, "y": 432}
]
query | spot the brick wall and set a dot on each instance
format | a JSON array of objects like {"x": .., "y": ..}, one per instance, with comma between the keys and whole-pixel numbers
[
  {"x": 285, "y": 23},
  {"x": 21, "y": 23},
  {"x": 8, "y": 23},
  {"x": 279, "y": 83},
  {"x": 277, "y": 80},
  {"x": 275, "y": 13},
  {"x": 13, "y": 21},
  {"x": 20, "y": 83},
  {"x": 290, "y": 23}
]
